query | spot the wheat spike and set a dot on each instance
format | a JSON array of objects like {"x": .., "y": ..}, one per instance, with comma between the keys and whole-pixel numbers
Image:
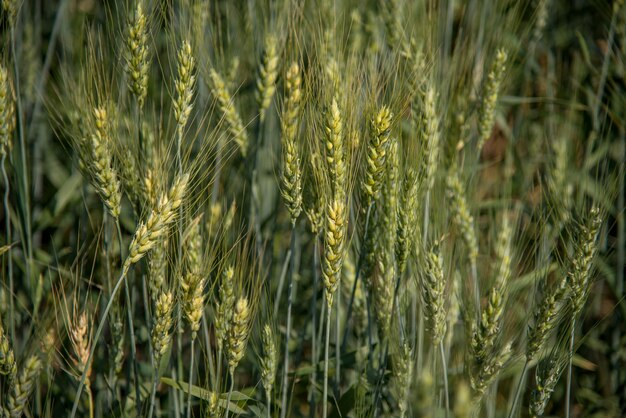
[
  {"x": 238, "y": 333},
  {"x": 490, "y": 97},
  {"x": 335, "y": 148},
  {"x": 8, "y": 367},
  {"x": 7, "y": 112},
  {"x": 578, "y": 278},
  {"x": 269, "y": 361},
  {"x": 104, "y": 176},
  {"x": 137, "y": 64},
  {"x": 225, "y": 308},
  {"x": 291, "y": 189},
  {"x": 407, "y": 229},
  {"x": 226, "y": 105},
  {"x": 461, "y": 214},
  {"x": 402, "y": 377},
  {"x": 334, "y": 241},
  {"x": 184, "y": 85},
  {"x": 161, "y": 329},
  {"x": 547, "y": 376},
  {"x": 23, "y": 387},
  {"x": 268, "y": 72},
  {"x": 81, "y": 344},
  {"x": 155, "y": 227},
  {"x": 429, "y": 139},
  {"x": 193, "y": 300},
  {"x": 380, "y": 126},
  {"x": 433, "y": 289}
]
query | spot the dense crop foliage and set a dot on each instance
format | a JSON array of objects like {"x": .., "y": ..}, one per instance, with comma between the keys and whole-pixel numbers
[{"x": 312, "y": 208}]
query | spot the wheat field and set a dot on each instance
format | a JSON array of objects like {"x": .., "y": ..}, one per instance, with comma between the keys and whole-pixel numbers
[{"x": 299, "y": 208}]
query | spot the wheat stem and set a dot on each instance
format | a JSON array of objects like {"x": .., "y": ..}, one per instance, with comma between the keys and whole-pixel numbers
[
  {"x": 356, "y": 278},
  {"x": 444, "y": 366},
  {"x": 96, "y": 336},
  {"x": 193, "y": 340},
  {"x": 7, "y": 224},
  {"x": 230, "y": 391},
  {"x": 24, "y": 194},
  {"x": 326, "y": 349},
  {"x": 313, "y": 323},
  {"x": 518, "y": 389},
  {"x": 129, "y": 309},
  {"x": 568, "y": 385},
  {"x": 292, "y": 248}
]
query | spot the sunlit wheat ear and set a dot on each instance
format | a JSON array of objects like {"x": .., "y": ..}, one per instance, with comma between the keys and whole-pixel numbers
[
  {"x": 8, "y": 367},
  {"x": 334, "y": 147},
  {"x": 23, "y": 387},
  {"x": 80, "y": 338},
  {"x": 226, "y": 105},
  {"x": 291, "y": 178},
  {"x": 490, "y": 97},
  {"x": 579, "y": 276},
  {"x": 402, "y": 377},
  {"x": 461, "y": 215},
  {"x": 238, "y": 333},
  {"x": 137, "y": 64},
  {"x": 380, "y": 126},
  {"x": 6, "y": 112},
  {"x": 268, "y": 72},
  {"x": 225, "y": 307},
  {"x": 335, "y": 232},
  {"x": 407, "y": 219},
  {"x": 547, "y": 376},
  {"x": 433, "y": 289},
  {"x": 161, "y": 329},
  {"x": 269, "y": 361},
  {"x": 104, "y": 176},
  {"x": 156, "y": 226},
  {"x": 429, "y": 138},
  {"x": 184, "y": 85},
  {"x": 192, "y": 286}
]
